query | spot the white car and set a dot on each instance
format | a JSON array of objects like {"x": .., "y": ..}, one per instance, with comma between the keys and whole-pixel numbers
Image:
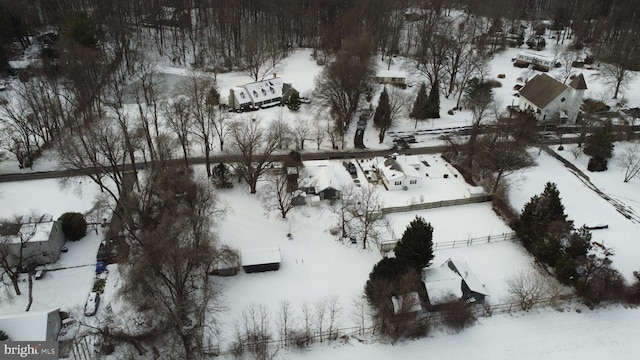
[{"x": 91, "y": 307}]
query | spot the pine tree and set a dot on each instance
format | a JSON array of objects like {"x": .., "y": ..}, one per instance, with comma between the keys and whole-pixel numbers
[
  {"x": 599, "y": 146},
  {"x": 382, "y": 117},
  {"x": 553, "y": 203},
  {"x": 419, "y": 110},
  {"x": 415, "y": 249},
  {"x": 433, "y": 107}
]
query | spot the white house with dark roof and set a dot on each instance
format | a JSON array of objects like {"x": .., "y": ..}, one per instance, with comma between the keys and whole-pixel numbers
[
  {"x": 547, "y": 98},
  {"x": 400, "y": 172},
  {"x": 326, "y": 179},
  {"x": 259, "y": 94}
]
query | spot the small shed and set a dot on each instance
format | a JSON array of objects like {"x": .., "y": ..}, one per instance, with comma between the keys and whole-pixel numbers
[
  {"x": 453, "y": 280},
  {"x": 261, "y": 260},
  {"x": 407, "y": 303},
  {"x": 32, "y": 325}
]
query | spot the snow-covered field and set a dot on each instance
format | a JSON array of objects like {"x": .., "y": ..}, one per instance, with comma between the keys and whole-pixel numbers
[
  {"x": 585, "y": 206},
  {"x": 315, "y": 265}
]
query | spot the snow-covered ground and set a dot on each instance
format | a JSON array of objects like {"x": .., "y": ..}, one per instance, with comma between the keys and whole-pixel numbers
[
  {"x": 544, "y": 334},
  {"x": 315, "y": 265},
  {"x": 584, "y": 206}
]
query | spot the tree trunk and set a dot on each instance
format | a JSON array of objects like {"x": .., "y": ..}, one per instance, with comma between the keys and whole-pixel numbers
[
  {"x": 14, "y": 281},
  {"x": 207, "y": 157}
]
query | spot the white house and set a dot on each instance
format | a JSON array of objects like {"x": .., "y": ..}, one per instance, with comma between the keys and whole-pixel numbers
[
  {"x": 325, "y": 179},
  {"x": 259, "y": 94},
  {"x": 35, "y": 241},
  {"x": 391, "y": 77},
  {"x": 537, "y": 61},
  {"x": 400, "y": 172},
  {"x": 547, "y": 98},
  {"x": 32, "y": 325}
]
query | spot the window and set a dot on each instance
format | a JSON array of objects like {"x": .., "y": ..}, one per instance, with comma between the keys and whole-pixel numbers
[
  {"x": 563, "y": 99},
  {"x": 413, "y": 182},
  {"x": 398, "y": 183}
]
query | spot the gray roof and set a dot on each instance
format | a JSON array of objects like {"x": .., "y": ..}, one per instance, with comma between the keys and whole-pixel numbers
[
  {"x": 578, "y": 83},
  {"x": 542, "y": 89}
]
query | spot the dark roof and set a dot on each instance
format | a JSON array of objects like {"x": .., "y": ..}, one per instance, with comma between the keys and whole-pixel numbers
[
  {"x": 542, "y": 89},
  {"x": 9, "y": 229},
  {"x": 578, "y": 83}
]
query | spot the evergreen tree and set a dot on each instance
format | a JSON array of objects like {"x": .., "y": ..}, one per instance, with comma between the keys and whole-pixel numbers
[
  {"x": 599, "y": 146},
  {"x": 415, "y": 249},
  {"x": 74, "y": 226},
  {"x": 421, "y": 104},
  {"x": 553, "y": 202},
  {"x": 433, "y": 107},
  {"x": 478, "y": 94},
  {"x": 387, "y": 270},
  {"x": 81, "y": 29},
  {"x": 382, "y": 116}
]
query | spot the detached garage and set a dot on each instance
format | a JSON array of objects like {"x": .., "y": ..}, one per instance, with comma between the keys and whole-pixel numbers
[{"x": 260, "y": 260}]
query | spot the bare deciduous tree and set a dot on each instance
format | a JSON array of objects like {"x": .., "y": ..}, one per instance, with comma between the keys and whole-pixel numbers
[
  {"x": 366, "y": 212},
  {"x": 279, "y": 191},
  {"x": 171, "y": 256},
  {"x": 254, "y": 146},
  {"x": 15, "y": 250},
  {"x": 202, "y": 99},
  {"x": 629, "y": 161},
  {"x": 527, "y": 289},
  {"x": 302, "y": 131},
  {"x": 341, "y": 83},
  {"x": 176, "y": 115}
]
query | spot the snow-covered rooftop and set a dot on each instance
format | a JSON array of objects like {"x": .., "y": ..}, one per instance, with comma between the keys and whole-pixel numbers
[
  {"x": 261, "y": 256},
  {"x": 26, "y": 326}
]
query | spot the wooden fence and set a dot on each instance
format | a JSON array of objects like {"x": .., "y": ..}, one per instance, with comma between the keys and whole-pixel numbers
[
  {"x": 303, "y": 339},
  {"x": 437, "y": 204},
  {"x": 389, "y": 245}
]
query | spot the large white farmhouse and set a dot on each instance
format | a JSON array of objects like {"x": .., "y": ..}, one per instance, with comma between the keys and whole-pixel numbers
[
  {"x": 546, "y": 97},
  {"x": 260, "y": 94}
]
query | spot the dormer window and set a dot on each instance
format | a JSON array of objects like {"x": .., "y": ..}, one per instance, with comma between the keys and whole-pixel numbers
[
  {"x": 272, "y": 90},
  {"x": 242, "y": 95},
  {"x": 255, "y": 93},
  {"x": 264, "y": 92}
]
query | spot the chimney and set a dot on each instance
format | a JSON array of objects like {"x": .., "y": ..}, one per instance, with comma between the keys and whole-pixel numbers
[{"x": 275, "y": 75}]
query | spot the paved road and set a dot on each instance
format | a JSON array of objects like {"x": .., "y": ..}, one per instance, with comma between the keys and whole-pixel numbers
[
  {"x": 38, "y": 175},
  {"x": 226, "y": 158}
]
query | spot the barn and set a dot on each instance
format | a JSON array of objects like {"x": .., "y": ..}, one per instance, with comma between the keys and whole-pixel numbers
[{"x": 261, "y": 260}]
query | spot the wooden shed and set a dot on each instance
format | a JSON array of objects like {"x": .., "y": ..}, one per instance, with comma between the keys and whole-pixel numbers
[{"x": 261, "y": 260}]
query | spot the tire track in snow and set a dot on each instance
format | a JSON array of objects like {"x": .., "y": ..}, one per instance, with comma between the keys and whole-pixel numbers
[{"x": 620, "y": 206}]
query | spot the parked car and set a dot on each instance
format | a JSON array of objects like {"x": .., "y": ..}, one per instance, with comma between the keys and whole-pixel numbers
[{"x": 91, "y": 307}]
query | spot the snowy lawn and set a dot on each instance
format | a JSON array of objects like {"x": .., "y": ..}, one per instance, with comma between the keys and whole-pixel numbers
[
  {"x": 541, "y": 334},
  {"x": 315, "y": 265},
  {"x": 585, "y": 206}
]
